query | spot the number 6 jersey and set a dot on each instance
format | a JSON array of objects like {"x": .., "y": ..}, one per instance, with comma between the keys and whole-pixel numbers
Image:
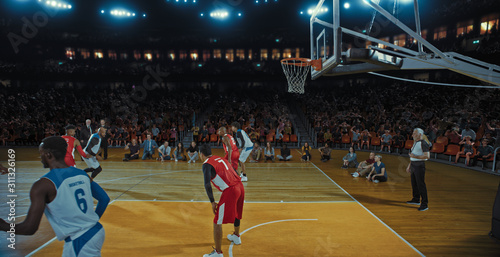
[{"x": 71, "y": 213}]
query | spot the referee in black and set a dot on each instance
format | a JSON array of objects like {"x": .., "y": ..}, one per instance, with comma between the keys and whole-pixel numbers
[{"x": 418, "y": 155}]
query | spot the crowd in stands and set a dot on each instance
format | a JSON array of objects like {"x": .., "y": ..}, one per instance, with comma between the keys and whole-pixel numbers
[{"x": 31, "y": 113}]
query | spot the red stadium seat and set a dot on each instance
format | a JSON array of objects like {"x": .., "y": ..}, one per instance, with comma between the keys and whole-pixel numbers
[
  {"x": 375, "y": 142},
  {"x": 437, "y": 148},
  {"x": 346, "y": 139},
  {"x": 452, "y": 150}
]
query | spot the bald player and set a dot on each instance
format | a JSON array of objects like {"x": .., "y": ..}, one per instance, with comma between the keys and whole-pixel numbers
[
  {"x": 72, "y": 144},
  {"x": 230, "y": 147},
  {"x": 91, "y": 150}
]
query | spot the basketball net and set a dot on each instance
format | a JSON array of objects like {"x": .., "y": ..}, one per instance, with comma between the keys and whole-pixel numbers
[{"x": 296, "y": 70}]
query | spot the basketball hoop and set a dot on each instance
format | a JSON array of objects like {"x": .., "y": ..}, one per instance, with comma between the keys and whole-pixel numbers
[{"x": 296, "y": 70}]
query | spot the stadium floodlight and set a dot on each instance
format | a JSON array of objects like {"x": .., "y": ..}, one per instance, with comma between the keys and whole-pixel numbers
[
  {"x": 347, "y": 5},
  {"x": 56, "y": 4},
  {"x": 220, "y": 14},
  {"x": 239, "y": 14},
  {"x": 102, "y": 11},
  {"x": 144, "y": 15},
  {"x": 120, "y": 13},
  {"x": 201, "y": 14},
  {"x": 321, "y": 11}
]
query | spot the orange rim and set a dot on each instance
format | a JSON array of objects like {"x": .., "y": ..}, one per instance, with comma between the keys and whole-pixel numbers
[{"x": 302, "y": 62}]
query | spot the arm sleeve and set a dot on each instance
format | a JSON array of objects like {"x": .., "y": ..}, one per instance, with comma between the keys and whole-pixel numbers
[
  {"x": 102, "y": 198},
  {"x": 80, "y": 151},
  {"x": 208, "y": 174},
  {"x": 425, "y": 146},
  {"x": 91, "y": 144}
]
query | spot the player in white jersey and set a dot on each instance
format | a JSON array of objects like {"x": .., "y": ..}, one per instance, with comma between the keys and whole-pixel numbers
[
  {"x": 245, "y": 146},
  {"x": 66, "y": 195},
  {"x": 91, "y": 150}
]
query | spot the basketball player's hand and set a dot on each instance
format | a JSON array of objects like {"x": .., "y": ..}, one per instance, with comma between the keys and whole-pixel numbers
[
  {"x": 214, "y": 207},
  {"x": 3, "y": 170},
  {"x": 98, "y": 157}
]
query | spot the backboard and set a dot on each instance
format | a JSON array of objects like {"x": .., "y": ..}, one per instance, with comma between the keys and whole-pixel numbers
[{"x": 370, "y": 54}]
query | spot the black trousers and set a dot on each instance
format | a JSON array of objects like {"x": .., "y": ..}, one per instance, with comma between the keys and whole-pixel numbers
[
  {"x": 418, "y": 182},
  {"x": 104, "y": 146},
  {"x": 474, "y": 161},
  {"x": 129, "y": 157}
]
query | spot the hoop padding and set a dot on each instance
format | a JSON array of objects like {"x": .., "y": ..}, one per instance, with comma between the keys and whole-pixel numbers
[{"x": 296, "y": 70}]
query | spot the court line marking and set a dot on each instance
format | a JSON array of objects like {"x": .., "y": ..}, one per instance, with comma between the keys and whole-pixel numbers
[
  {"x": 41, "y": 247},
  {"x": 114, "y": 200},
  {"x": 263, "y": 224},
  {"x": 202, "y": 201},
  {"x": 143, "y": 175},
  {"x": 421, "y": 254}
]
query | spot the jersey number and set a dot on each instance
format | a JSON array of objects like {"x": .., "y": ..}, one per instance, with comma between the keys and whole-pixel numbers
[
  {"x": 82, "y": 203},
  {"x": 221, "y": 161}
]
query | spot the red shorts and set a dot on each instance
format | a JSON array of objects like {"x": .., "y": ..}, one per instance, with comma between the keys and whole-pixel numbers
[
  {"x": 70, "y": 161},
  {"x": 230, "y": 205},
  {"x": 235, "y": 157}
]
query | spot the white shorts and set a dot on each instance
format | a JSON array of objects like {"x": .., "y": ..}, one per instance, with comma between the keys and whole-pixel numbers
[
  {"x": 91, "y": 162},
  {"x": 90, "y": 248},
  {"x": 245, "y": 153}
]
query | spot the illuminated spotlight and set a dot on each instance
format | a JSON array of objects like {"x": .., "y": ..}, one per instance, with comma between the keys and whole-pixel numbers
[
  {"x": 194, "y": 1},
  {"x": 102, "y": 11},
  {"x": 201, "y": 14},
  {"x": 57, "y": 4},
  {"x": 219, "y": 14},
  {"x": 301, "y": 12},
  {"x": 347, "y": 5},
  {"x": 119, "y": 13},
  {"x": 185, "y": 1},
  {"x": 144, "y": 15},
  {"x": 256, "y": 1},
  {"x": 321, "y": 10},
  {"x": 239, "y": 14}
]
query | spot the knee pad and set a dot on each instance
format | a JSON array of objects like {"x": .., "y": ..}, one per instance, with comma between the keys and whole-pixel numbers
[{"x": 236, "y": 222}]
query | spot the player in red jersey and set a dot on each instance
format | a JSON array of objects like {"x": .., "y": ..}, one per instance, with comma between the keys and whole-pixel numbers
[
  {"x": 230, "y": 207},
  {"x": 230, "y": 147},
  {"x": 73, "y": 143}
]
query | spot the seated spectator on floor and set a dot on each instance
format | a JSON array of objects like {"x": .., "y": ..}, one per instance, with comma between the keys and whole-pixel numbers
[
  {"x": 179, "y": 152},
  {"x": 256, "y": 154},
  {"x": 285, "y": 154},
  {"x": 469, "y": 132},
  {"x": 149, "y": 146},
  {"x": 192, "y": 152},
  {"x": 134, "y": 151},
  {"x": 386, "y": 141},
  {"x": 325, "y": 152},
  {"x": 350, "y": 159},
  {"x": 468, "y": 151},
  {"x": 355, "y": 137},
  {"x": 164, "y": 152},
  {"x": 306, "y": 152},
  {"x": 453, "y": 136},
  {"x": 269, "y": 152},
  {"x": 378, "y": 172},
  {"x": 365, "y": 166},
  {"x": 484, "y": 152}
]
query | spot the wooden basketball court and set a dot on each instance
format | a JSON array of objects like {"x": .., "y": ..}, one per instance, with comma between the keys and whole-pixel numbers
[{"x": 291, "y": 209}]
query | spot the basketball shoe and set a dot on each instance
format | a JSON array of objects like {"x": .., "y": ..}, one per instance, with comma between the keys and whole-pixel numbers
[{"x": 234, "y": 238}]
